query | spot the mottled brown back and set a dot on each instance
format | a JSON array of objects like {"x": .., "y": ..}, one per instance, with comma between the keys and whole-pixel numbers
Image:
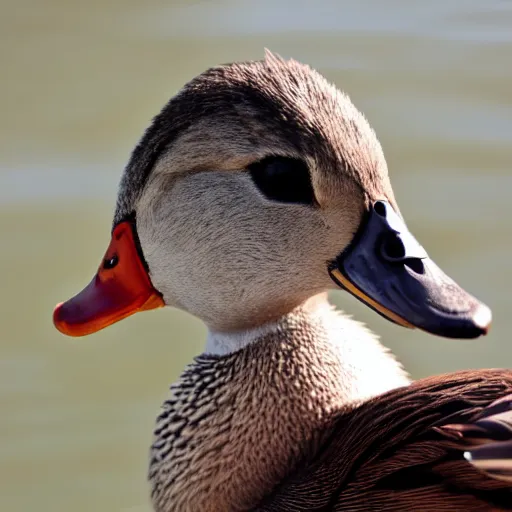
[{"x": 393, "y": 454}]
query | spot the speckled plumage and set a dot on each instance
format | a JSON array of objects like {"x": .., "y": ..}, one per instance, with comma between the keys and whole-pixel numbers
[{"x": 236, "y": 425}]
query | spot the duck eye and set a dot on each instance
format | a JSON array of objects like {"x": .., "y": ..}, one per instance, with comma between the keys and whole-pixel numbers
[{"x": 282, "y": 179}]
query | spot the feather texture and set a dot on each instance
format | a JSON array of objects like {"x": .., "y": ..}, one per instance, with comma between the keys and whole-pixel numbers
[{"x": 405, "y": 450}]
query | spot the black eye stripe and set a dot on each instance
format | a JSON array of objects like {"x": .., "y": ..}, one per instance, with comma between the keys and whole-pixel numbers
[{"x": 282, "y": 179}]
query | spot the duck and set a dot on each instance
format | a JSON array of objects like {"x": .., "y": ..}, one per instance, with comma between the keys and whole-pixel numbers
[{"x": 257, "y": 190}]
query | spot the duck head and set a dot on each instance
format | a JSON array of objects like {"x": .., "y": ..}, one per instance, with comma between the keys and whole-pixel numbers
[{"x": 258, "y": 186}]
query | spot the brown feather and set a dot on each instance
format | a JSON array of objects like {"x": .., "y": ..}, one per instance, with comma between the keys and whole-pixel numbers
[{"x": 395, "y": 453}]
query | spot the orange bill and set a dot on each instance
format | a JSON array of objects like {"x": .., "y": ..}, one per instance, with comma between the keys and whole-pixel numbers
[{"x": 120, "y": 288}]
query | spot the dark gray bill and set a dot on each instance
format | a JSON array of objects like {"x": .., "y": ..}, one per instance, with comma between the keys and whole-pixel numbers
[{"x": 386, "y": 268}]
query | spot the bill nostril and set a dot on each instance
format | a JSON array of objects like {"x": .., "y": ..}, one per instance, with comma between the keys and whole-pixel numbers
[
  {"x": 380, "y": 208},
  {"x": 416, "y": 265},
  {"x": 109, "y": 263},
  {"x": 392, "y": 248}
]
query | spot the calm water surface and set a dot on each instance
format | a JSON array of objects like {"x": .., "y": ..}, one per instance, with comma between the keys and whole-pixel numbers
[{"x": 80, "y": 82}]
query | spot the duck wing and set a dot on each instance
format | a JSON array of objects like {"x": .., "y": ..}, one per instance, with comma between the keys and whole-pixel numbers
[{"x": 443, "y": 443}]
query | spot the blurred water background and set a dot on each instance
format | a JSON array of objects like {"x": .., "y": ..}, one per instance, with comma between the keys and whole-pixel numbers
[{"x": 79, "y": 84}]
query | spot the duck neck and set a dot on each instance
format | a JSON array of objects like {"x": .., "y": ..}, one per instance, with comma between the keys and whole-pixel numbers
[{"x": 255, "y": 404}]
